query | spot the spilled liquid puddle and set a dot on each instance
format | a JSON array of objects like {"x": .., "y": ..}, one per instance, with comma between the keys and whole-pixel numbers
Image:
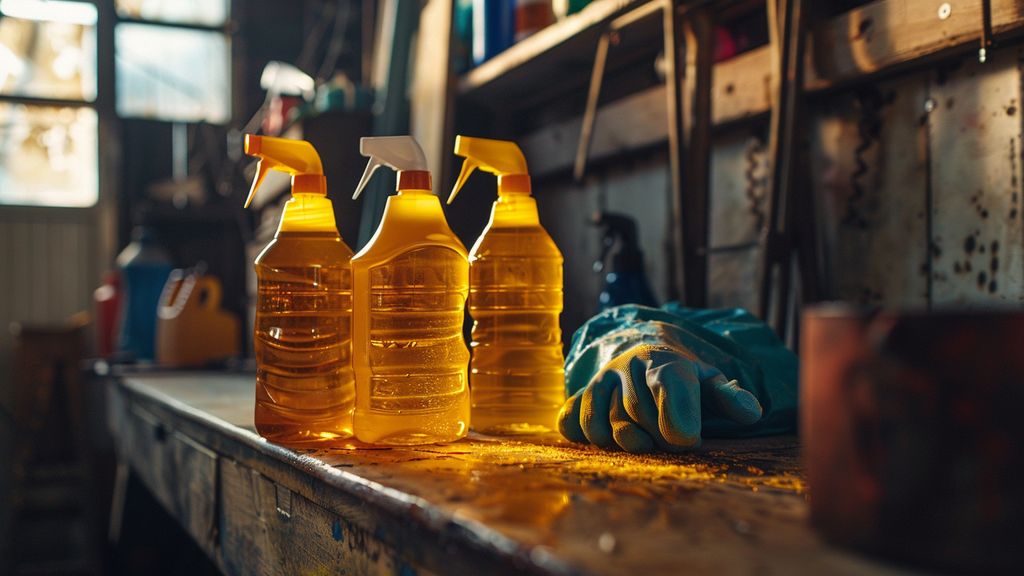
[{"x": 540, "y": 488}]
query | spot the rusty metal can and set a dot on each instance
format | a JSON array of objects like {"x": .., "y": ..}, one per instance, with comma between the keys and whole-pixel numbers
[{"x": 913, "y": 433}]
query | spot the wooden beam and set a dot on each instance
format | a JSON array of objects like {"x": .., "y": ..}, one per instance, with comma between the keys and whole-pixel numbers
[
  {"x": 697, "y": 121},
  {"x": 889, "y": 33}
]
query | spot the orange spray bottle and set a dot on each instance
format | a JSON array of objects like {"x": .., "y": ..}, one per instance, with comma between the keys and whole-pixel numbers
[
  {"x": 516, "y": 374},
  {"x": 410, "y": 284},
  {"x": 304, "y": 382}
]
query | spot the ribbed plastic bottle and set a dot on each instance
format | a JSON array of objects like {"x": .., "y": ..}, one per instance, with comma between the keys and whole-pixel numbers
[
  {"x": 516, "y": 374},
  {"x": 410, "y": 284},
  {"x": 304, "y": 382}
]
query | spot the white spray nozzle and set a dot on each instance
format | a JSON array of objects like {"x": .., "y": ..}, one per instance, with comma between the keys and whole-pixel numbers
[{"x": 396, "y": 152}]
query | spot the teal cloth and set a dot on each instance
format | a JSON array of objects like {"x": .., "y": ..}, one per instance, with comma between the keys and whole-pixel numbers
[{"x": 699, "y": 343}]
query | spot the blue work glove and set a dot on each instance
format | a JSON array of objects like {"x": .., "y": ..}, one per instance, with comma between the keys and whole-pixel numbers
[{"x": 642, "y": 378}]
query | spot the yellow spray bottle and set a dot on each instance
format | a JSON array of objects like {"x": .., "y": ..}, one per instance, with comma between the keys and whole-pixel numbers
[
  {"x": 411, "y": 282},
  {"x": 304, "y": 382},
  {"x": 516, "y": 375}
]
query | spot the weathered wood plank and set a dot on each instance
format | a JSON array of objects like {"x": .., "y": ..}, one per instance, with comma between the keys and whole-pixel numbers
[
  {"x": 977, "y": 256},
  {"x": 741, "y": 87},
  {"x": 888, "y": 33},
  {"x": 869, "y": 176},
  {"x": 486, "y": 505},
  {"x": 270, "y": 530},
  {"x": 194, "y": 469},
  {"x": 632, "y": 123}
]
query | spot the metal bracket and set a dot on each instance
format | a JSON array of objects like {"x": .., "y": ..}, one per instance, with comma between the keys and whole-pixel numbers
[{"x": 786, "y": 21}]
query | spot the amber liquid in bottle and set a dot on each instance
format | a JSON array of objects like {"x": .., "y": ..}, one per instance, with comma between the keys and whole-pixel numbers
[
  {"x": 304, "y": 383},
  {"x": 517, "y": 375},
  {"x": 410, "y": 358}
]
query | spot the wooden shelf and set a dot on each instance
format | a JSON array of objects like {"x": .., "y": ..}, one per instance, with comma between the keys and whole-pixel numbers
[{"x": 566, "y": 46}]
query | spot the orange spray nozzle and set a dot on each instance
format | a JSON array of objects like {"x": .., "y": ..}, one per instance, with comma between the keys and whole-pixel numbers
[
  {"x": 502, "y": 158},
  {"x": 296, "y": 157}
]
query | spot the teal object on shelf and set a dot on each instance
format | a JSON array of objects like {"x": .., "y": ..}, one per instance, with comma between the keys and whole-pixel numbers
[{"x": 565, "y": 8}]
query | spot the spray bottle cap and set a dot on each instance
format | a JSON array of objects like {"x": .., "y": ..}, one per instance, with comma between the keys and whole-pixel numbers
[
  {"x": 400, "y": 153},
  {"x": 295, "y": 157},
  {"x": 300, "y": 159},
  {"x": 502, "y": 158}
]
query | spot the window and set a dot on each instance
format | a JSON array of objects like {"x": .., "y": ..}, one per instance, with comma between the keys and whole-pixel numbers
[
  {"x": 172, "y": 73},
  {"x": 176, "y": 73},
  {"x": 48, "y": 149},
  {"x": 48, "y": 155},
  {"x": 209, "y": 13}
]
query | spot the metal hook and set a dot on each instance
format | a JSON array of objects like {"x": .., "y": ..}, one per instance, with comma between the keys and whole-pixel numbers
[{"x": 986, "y": 30}]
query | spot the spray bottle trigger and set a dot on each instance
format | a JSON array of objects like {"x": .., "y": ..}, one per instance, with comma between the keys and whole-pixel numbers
[
  {"x": 262, "y": 167},
  {"x": 371, "y": 167},
  {"x": 468, "y": 166}
]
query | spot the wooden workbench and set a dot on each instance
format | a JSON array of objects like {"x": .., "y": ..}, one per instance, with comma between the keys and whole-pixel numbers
[{"x": 479, "y": 506}]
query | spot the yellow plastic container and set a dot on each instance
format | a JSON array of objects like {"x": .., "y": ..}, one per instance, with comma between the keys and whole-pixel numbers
[
  {"x": 411, "y": 282},
  {"x": 191, "y": 328},
  {"x": 516, "y": 374},
  {"x": 304, "y": 383}
]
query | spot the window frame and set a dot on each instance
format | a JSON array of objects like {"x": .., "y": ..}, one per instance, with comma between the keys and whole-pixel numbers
[
  {"x": 95, "y": 104},
  {"x": 229, "y": 30}
]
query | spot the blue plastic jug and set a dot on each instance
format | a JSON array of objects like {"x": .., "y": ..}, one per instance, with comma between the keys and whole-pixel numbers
[{"x": 144, "y": 267}]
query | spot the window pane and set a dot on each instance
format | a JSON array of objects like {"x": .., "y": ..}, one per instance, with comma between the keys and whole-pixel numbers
[
  {"x": 172, "y": 74},
  {"x": 48, "y": 155},
  {"x": 48, "y": 49},
  {"x": 199, "y": 12}
]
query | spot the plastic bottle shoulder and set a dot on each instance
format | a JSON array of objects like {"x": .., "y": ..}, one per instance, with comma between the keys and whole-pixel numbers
[
  {"x": 523, "y": 241},
  {"x": 306, "y": 249},
  {"x": 409, "y": 222}
]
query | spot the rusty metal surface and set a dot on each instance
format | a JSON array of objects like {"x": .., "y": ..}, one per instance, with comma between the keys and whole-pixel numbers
[
  {"x": 910, "y": 432},
  {"x": 869, "y": 171},
  {"x": 977, "y": 257},
  {"x": 489, "y": 505}
]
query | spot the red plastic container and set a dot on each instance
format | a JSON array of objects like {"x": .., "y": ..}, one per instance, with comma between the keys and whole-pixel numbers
[{"x": 107, "y": 306}]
